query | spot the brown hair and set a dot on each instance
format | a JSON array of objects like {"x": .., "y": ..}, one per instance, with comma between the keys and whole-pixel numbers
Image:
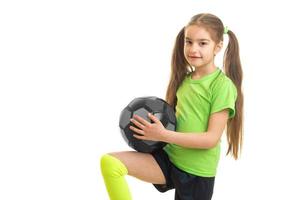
[{"x": 232, "y": 67}]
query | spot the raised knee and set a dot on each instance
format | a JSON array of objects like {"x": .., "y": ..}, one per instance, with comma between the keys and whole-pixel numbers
[{"x": 111, "y": 166}]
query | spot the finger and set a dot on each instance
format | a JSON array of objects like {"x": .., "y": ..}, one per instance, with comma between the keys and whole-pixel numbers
[
  {"x": 139, "y": 131},
  {"x": 138, "y": 124},
  {"x": 141, "y": 120},
  {"x": 153, "y": 118},
  {"x": 139, "y": 137}
]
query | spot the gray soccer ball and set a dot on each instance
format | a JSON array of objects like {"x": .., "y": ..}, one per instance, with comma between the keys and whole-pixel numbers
[{"x": 142, "y": 106}]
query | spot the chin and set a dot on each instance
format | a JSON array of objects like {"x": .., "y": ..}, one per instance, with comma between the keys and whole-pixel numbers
[
  {"x": 199, "y": 65},
  {"x": 196, "y": 64}
]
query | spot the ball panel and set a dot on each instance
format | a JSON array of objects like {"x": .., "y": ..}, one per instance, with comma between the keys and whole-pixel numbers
[
  {"x": 137, "y": 103},
  {"x": 125, "y": 136},
  {"x": 142, "y": 147},
  {"x": 170, "y": 126},
  {"x": 149, "y": 142},
  {"x": 154, "y": 104},
  {"x": 142, "y": 112},
  {"x": 171, "y": 113},
  {"x": 159, "y": 115},
  {"x": 125, "y": 118}
]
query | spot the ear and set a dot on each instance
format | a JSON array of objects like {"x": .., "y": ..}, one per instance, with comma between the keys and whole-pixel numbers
[{"x": 218, "y": 47}]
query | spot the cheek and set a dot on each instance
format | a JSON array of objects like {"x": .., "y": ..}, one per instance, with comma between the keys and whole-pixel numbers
[
  {"x": 185, "y": 48},
  {"x": 185, "y": 51},
  {"x": 208, "y": 53}
]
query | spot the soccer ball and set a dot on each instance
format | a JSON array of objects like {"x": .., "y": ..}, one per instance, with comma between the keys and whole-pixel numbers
[{"x": 142, "y": 106}]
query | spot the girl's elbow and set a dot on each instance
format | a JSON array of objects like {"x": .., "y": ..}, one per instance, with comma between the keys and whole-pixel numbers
[
  {"x": 207, "y": 141},
  {"x": 206, "y": 145},
  {"x": 212, "y": 142},
  {"x": 210, "y": 145}
]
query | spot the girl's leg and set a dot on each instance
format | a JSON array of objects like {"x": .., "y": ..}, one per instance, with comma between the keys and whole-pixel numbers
[{"x": 115, "y": 166}]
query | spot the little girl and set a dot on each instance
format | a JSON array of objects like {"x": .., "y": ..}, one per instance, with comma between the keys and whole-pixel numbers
[{"x": 206, "y": 101}]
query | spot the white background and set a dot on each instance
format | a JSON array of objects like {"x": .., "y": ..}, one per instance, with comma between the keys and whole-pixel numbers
[{"x": 67, "y": 69}]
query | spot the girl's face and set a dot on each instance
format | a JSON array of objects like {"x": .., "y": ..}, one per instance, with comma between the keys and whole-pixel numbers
[{"x": 199, "y": 48}]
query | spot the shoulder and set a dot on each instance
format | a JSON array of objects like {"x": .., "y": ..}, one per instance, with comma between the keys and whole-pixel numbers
[
  {"x": 223, "y": 89},
  {"x": 223, "y": 82}
]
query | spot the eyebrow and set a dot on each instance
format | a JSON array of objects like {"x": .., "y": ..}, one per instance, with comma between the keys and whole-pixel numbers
[{"x": 202, "y": 39}]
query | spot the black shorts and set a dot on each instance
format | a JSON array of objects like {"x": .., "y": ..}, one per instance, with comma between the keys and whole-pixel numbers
[{"x": 187, "y": 186}]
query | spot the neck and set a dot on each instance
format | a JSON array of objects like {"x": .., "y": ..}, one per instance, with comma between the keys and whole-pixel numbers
[{"x": 203, "y": 70}]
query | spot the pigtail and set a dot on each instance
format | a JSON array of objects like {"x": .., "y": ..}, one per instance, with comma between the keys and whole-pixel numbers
[
  {"x": 233, "y": 69},
  {"x": 178, "y": 69}
]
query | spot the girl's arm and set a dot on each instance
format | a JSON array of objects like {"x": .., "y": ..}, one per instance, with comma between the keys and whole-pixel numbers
[
  {"x": 206, "y": 140},
  {"x": 157, "y": 132}
]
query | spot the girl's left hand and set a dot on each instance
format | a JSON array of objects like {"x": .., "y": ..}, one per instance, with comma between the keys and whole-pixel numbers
[{"x": 148, "y": 131}]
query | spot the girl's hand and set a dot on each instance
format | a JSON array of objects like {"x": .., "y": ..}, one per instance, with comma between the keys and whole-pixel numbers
[{"x": 148, "y": 131}]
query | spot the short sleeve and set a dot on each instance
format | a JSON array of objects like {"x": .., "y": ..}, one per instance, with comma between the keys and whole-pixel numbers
[{"x": 223, "y": 97}]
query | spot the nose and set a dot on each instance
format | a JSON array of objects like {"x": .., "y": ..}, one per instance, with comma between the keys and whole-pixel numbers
[{"x": 194, "y": 48}]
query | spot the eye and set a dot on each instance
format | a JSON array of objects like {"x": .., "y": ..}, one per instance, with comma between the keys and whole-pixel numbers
[
  {"x": 188, "y": 42},
  {"x": 202, "y": 43}
]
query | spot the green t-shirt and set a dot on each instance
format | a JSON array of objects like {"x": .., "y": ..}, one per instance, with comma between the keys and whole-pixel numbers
[{"x": 196, "y": 101}]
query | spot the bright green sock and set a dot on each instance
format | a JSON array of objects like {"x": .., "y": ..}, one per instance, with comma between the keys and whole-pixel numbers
[{"x": 113, "y": 172}]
